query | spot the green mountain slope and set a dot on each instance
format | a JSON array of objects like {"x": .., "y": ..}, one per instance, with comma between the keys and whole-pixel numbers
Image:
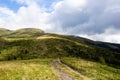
[
  {"x": 93, "y": 70},
  {"x": 46, "y": 45},
  {"x": 110, "y": 46},
  {"x": 26, "y": 32},
  {"x": 4, "y": 31}
]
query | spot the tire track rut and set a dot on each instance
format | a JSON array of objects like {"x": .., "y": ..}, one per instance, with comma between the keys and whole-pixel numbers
[{"x": 62, "y": 74}]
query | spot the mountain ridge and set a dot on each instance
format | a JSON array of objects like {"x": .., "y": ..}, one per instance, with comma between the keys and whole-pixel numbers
[
  {"x": 55, "y": 45},
  {"x": 4, "y": 31},
  {"x": 24, "y": 32}
]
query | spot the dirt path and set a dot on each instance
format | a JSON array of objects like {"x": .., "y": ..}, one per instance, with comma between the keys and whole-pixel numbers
[{"x": 63, "y": 75}]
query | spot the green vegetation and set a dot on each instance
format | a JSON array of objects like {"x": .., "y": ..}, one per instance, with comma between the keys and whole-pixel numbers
[
  {"x": 93, "y": 70},
  {"x": 24, "y": 33},
  {"x": 53, "y": 46},
  {"x": 28, "y": 49},
  {"x": 4, "y": 31},
  {"x": 62, "y": 69},
  {"x": 32, "y": 43},
  {"x": 37, "y": 69}
]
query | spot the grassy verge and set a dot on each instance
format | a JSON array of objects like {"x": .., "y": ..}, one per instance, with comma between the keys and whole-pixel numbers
[
  {"x": 93, "y": 70},
  {"x": 68, "y": 71},
  {"x": 39, "y": 69}
]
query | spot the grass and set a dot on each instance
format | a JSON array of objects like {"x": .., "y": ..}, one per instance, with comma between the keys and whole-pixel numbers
[
  {"x": 55, "y": 37},
  {"x": 41, "y": 69},
  {"x": 18, "y": 39},
  {"x": 93, "y": 70},
  {"x": 24, "y": 33},
  {"x": 68, "y": 71},
  {"x": 4, "y": 31},
  {"x": 38, "y": 69}
]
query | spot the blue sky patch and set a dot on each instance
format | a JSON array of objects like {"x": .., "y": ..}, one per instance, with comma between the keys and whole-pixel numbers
[
  {"x": 10, "y": 4},
  {"x": 14, "y": 6}
]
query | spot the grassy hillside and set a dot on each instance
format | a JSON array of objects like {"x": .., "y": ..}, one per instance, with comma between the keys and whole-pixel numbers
[
  {"x": 41, "y": 69},
  {"x": 28, "y": 33},
  {"x": 25, "y": 32},
  {"x": 4, "y": 31},
  {"x": 91, "y": 58},
  {"x": 37, "y": 69},
  {"x": 47, "y": 46},
  {"x": 111, "y": 46},
  {"x": 32, "y": 43},
  {"x": 93, "y": 70}
]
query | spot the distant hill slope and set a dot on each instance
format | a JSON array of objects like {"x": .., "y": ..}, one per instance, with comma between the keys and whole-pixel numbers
[
  {"x": 25, "y": 32},
  {"x": 4, "y": 31},
  {"x": 111, "y": 46},
  {"x": 44, "y": 45}
]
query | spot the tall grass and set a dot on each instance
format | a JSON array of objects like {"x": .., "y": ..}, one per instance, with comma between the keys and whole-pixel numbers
[
  {"x": 65, "y": 70},
  {"x": 93, "y": 70},
  {"x": 27, "y": 70}
]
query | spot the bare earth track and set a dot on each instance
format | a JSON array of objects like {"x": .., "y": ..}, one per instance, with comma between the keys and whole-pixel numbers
[{"x": 63, "y": 75}]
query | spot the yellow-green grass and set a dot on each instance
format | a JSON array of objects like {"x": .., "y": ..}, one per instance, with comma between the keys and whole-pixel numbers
[
  {"x": 54, "y": 37},
  {"x": 68, "y": 71},
  {"x": 39, "y": 69},
  {"x": 17, "y": 39},
  {"x": 93, "y": 70}
]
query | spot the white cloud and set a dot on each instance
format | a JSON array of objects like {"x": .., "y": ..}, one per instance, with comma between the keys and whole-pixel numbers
[
  {"x": 73, "y": 4},
  {"x": 27, "y": 2},
  {"x": 4, "y": 10},
  {"x": 110, "y": 35},
  {"x": 29, "y": 16},
  {"x": 88, "y": 17},
  {"x": 98, "y": 20}
]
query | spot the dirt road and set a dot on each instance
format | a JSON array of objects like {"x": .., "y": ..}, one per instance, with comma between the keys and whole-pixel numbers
[{"x": 63, "y": 75}]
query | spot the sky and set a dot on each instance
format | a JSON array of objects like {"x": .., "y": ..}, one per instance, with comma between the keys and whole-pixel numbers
[{"x": 94, "y": 19}]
